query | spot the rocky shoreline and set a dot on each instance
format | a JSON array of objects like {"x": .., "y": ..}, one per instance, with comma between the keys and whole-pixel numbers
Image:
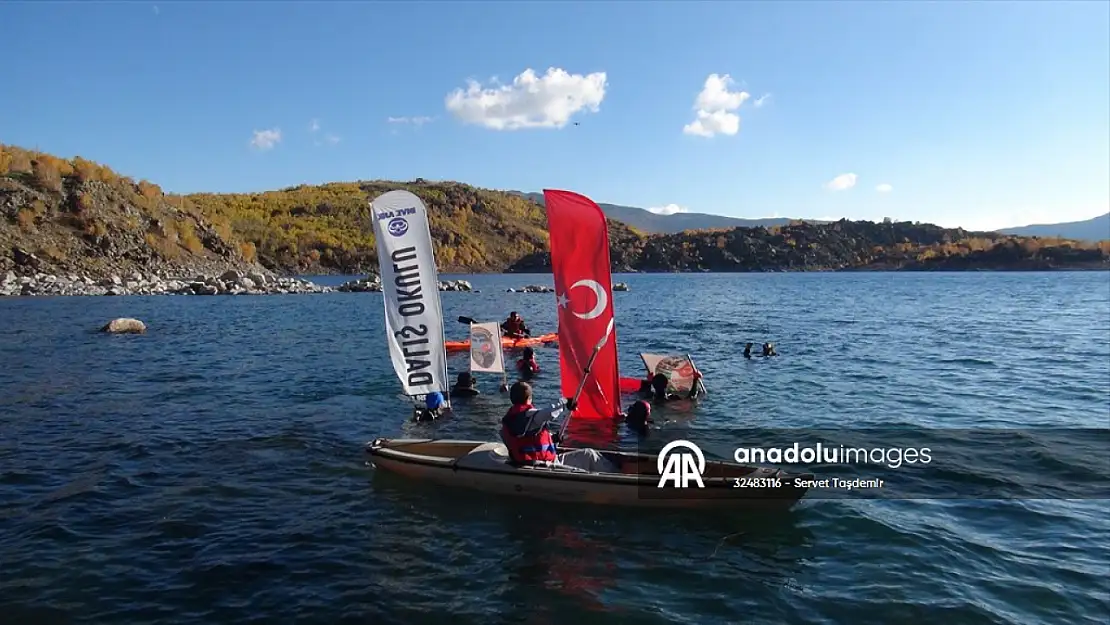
[
  {"x": 541, "y": 288},
  {"x": 230, "y": 282}
]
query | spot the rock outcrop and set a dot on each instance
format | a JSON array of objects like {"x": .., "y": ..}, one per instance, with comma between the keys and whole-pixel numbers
[
  {"x": 531, "y": 288},
  {"x": 373, "y": 284},
  {"x": 124, "y": 325}
]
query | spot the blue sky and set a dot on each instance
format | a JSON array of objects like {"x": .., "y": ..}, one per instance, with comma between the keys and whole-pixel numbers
[{"x": 982, "y": 115}]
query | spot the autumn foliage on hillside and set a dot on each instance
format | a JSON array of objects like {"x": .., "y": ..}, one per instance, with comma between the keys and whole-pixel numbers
[
  {"x": 77, "y": 213},
  {"x": 307, "y": 229},
  {"x": 842, "y": 245}
]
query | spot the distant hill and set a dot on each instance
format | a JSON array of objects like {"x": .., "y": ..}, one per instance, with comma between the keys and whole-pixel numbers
[
  {"x": 76, "y": 216},
  {"x": 839, "y": 246},
  {"x": 1096, "y": 229},
  {"x": 652, "y": 223},
  {"x": 64, "y": 215}
]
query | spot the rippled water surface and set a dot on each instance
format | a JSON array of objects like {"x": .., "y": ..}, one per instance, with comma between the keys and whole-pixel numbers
[{"x": 212, "y": 470}]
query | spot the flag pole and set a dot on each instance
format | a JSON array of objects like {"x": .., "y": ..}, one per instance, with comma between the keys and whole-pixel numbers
[
  {"x": 699, "y": 381},
  {"x": 586, "y": 374},
  {"x": 504, "y": 370}
]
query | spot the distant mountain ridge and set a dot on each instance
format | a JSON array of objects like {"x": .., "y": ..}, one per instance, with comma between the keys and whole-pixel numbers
[
  {"x": 652, "y": 223},
  {"x": 1094, "y": 229}
]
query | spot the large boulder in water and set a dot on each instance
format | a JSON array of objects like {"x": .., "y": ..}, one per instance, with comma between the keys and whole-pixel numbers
[
  {"x": 124, "y": 325},
  {"x": 363, "y": 285},
  {"x": 455, "y": 285}
]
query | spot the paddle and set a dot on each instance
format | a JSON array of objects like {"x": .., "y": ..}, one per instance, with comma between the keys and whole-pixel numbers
[
  {"x": 504, "y": 388},
  {"x": 586, "y": 372}
]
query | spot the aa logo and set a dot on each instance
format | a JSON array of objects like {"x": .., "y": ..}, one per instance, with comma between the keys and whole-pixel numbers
[{"x": 681, "y": 466}]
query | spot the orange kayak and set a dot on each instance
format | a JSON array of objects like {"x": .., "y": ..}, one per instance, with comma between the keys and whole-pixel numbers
[{"x": 507, "y": 343}]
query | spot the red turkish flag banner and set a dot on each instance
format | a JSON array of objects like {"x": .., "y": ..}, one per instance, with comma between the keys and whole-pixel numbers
[{"x": 579, "y": 241}]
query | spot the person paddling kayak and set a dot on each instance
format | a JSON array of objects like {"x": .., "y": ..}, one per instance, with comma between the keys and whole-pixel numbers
[
  {"x": 513, "y": 327},
  {"x": 524, "y": 430},
  {"x": 527, "y": 365}
]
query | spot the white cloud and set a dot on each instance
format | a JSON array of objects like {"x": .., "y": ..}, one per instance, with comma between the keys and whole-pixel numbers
[
  {"x": 884, "y": 188},
  {"x": 669, "y": 209},
  {"x": 842, "y": 182},
  {"x": 714, "y": 106},
  {"x": 761, "y": 100},
  {"x": 266, "y": 139},
  {"x": 531, "y": 101},
  {"x": 415, "y": 121},
  {"x": 314, "y": 127}
]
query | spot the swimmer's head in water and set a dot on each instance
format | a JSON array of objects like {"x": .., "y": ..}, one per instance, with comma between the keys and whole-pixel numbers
[
  {"x": 433, "y": 400},
  {"x": 659, "y": 383},
  {"x": 639, "y": 414},
  {"x": 529, "y": 353},
  {"x": 465, "y": 379}
]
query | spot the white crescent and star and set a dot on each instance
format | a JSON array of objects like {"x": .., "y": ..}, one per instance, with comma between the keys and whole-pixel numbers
[{"x": 599, "y": 292}]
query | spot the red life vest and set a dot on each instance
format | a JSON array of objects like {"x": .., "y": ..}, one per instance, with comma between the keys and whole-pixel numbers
[
  {"x": 513, "y": 326},
  {"x": 527, "y": 449},
  {"x": 530, "y": 366}
]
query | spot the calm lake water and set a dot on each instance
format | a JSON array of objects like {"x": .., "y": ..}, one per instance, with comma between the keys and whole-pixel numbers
[{"x": 212, "y": 470}]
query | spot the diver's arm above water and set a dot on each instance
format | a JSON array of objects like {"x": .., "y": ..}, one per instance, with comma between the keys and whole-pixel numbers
[{"x": 695, "y": 392}]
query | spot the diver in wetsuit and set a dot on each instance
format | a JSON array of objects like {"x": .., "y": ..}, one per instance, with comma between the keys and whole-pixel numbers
[
  {"x": 465, "y": 386},
  {"x": 435, "y": 407},
  {"x": 659, "y": 392},
  {"x": 527, "y": 365},
  {"x": 638, "y": 418}
]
